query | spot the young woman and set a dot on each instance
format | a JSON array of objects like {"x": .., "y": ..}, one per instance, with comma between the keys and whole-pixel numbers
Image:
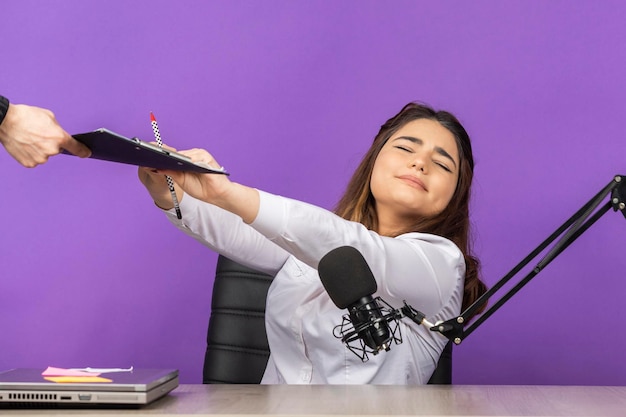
[{"x": 406, "y": 209}]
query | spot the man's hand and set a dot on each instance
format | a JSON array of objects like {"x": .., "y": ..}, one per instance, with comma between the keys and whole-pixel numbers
[{"x": 31, "y": 135}]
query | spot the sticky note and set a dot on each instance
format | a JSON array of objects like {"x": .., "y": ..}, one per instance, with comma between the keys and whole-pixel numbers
[
  {"x": 52, "y": 371},
  {"x": 62, "y": 379}
]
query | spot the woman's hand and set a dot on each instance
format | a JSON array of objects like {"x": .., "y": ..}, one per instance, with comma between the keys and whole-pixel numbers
[
  {"x": 157, "y": 186},
  {"x": 216, "y": 189},
  {"x": 210, "y": 188}
]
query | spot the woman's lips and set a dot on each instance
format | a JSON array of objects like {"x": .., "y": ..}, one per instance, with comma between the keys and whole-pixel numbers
[{"x": 413, "y": 182}]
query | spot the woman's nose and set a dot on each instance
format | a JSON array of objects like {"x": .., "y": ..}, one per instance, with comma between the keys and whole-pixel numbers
[{"x": 418, "y": 163}]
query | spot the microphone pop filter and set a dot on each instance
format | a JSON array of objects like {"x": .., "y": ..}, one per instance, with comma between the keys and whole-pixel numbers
[{"x": 346, "y": 276}]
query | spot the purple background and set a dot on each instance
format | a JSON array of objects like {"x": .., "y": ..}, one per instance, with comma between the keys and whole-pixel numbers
[{"x": 288, "y": 95}]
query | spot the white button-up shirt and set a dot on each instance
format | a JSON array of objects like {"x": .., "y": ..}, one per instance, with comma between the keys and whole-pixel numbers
[{"x": 287, "y": 240}]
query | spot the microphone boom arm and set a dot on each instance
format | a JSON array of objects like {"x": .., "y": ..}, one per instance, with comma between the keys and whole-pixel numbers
[{"x": 458, "y": 328}]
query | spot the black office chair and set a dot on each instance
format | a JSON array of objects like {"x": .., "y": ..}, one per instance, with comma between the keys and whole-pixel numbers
[{"x": 237, "y": 349}]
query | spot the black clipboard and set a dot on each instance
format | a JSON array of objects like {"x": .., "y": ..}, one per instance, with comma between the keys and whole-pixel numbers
[{"x": 110, "y": 146}]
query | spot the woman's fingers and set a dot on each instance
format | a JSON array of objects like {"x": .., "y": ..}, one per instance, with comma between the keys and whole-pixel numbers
[{"x": 201, "y": 155}]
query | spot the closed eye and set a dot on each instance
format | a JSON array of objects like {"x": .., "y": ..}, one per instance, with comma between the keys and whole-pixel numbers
[
  {"x": 443, "y": 166},
  {"x": 404, "y": 148}
]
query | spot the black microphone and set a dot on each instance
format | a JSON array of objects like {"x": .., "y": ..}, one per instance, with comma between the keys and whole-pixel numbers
[{"x": 350, "y": 284}]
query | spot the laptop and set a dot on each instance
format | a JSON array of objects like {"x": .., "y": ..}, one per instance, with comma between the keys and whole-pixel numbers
[{"x": 24, "y": 387}]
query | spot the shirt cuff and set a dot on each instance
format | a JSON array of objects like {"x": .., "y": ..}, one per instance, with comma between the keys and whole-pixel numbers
[
  {"x": 4, "y": 107},
  {"x": 187, "y": 206},
  {"x": 270, "y": 221}
]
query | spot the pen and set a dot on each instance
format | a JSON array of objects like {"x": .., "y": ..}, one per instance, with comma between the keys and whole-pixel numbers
[{"x": 170, "y": 182}]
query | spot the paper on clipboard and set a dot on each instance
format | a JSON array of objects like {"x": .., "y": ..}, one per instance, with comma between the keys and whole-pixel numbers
[{"x": 110, "y": 146}]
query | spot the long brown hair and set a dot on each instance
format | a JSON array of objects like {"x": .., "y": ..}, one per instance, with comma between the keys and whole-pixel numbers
[{"x": 358, "y": 204}]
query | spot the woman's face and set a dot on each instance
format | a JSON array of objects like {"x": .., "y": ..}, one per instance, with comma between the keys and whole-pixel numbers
[{"x": 415, "y": 174}]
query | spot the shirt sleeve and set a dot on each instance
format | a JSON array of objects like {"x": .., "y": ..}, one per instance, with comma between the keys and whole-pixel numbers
[
  {"x": 228, "y": 235},
  {"x": 4, "y": 107},
  {"x": 425, "y": 270}
]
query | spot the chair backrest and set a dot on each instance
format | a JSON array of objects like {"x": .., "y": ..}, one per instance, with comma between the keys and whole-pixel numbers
[{"x": 237, "y": 349}]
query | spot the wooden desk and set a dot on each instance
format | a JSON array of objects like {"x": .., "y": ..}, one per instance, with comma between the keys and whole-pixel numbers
[{"x": 368, "y": 400}]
